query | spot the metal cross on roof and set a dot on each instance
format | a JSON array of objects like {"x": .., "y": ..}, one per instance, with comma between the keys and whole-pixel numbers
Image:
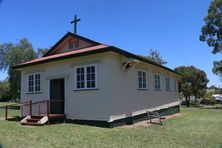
[{"x": 75, "y": 21}]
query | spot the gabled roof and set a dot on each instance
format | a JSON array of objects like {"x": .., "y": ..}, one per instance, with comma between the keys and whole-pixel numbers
[
  {"x": 94, "y": 43},
  {"x": 64, "y": 55},
  {"x": 97, "y": 48}
]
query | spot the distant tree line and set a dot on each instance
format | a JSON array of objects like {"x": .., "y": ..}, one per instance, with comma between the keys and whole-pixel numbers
[{"x": 12, "y": 54}]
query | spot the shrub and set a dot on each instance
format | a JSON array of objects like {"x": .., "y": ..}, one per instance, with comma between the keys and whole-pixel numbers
[{"x": 208, "y": 101}]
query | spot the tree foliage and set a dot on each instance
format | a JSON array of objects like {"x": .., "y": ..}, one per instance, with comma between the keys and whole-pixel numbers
[
  {"x": 4, "y": 91},
  {"x": 41, "y": 51},
  {"x": 193, "y": 82},
  {"x": 154, "y": 55},
  {"x": 211, "y": 32},
  {"x": 11, "y": 55}
]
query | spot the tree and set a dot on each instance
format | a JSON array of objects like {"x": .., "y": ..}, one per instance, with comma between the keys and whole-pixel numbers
[
  {"x": 211, "y": 32},
  {"x": 187, "y": 92},
  {"x": 193, "y": 81},
  {"x": 4, "y": 91},
  {"x": 11, "y": 55},
  {"x": 154, "y": 55},
  {"x": 41, "y": 52}
]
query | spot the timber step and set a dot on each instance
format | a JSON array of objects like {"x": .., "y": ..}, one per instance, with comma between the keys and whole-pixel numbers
[
  {"x": 32, "y": 120},
  {"x": 42, "y": 119},
  {"x": 32, "y": 123}
]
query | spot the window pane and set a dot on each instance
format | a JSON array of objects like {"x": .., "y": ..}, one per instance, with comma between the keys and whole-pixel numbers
[
  {"x": 142, "y": 79},
  {"x": 82, "y": 77},
  {"x": 78, "y": 85},
  {"x": 78, "y": 77},
  {"x": 93, "y": 84},
  {"x": 90, "y": 76},
  {"x": 140, "y": 85},
  {"x": 78, "y": 70},
  {"x": 144, "y": 85},
  {"x": 93, "y": 76},
  {"x": 93, "y": 69},
  {"x": 139, "y": 73},
  {"x": 88, "y": 70},
  {"x": 82, "y": 70},
  {"x": 88, "y": 84},
  {"x": 37, "y": 82},
  {"x": 82, "y": 85},
  {"x": 80, "y": 80},
  {"x": 31, "y": 83}
]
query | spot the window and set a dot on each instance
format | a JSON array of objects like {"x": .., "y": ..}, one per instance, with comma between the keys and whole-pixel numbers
[
  {"x": 167, "y": 83},
  {"x": 76, "y": 44},
  {"x": 80, "y": 80},
  {"x": 157, "y": 81},
  {"x": 86, "y": 77},
  {"x": 30, "y": 83},
  {"x": 142, "y": 79},
  {"x": 175, "y": 85},
  {"x": 70, "y": 45},
  {"x": 34, "y": 82},
  {"x": 37, "y": 82}
]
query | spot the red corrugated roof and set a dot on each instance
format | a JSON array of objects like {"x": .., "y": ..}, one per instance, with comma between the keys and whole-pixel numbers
[{"x": 73, "y": 52}]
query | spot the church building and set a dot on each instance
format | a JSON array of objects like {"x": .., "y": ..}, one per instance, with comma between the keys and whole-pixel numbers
[{"x": 88, "y": 82}]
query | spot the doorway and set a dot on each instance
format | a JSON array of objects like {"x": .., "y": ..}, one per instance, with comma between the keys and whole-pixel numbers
[{"x": 57, "y": 96}]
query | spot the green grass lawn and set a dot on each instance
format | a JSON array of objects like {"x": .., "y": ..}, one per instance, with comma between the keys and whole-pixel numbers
[{"x": 195, "y": 127}]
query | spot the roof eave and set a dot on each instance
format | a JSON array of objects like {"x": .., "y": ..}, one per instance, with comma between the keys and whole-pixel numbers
[{"x": 62, "y": 58}]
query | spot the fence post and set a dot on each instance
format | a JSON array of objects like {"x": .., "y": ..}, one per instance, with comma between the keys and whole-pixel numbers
[
  {"x": 48, "y": 112},
  {"x": 6, "y": 112},
  {"x": 30, "y": 107},
  {"x": 39, "y": 110},
  {"x": 21, "y": 110}
]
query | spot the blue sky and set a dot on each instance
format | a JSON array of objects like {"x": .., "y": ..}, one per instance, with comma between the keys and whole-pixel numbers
[{"x": 172, "y": 27}]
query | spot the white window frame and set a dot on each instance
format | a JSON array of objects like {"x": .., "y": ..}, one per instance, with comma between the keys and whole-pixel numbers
[
  {"x": 143, "y": 88},
  {"x": 33, "y": 74},
  {"x": 166, "y": 82},
  {"x": 157, "y": 89},
  {"x": 85, "y": 77}
]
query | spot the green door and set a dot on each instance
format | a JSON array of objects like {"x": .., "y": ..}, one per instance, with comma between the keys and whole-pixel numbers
[{"x": 57, "y": 92}]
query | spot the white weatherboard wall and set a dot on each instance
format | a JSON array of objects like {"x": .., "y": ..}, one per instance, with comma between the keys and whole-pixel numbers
[
  {"x": 126, "y": 100},
  {"x": 84, "y": 104},
  {"x": 117, "y": 95}
]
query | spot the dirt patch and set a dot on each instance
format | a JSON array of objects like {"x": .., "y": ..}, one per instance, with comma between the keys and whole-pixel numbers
[{"x": 146, "y": 123}]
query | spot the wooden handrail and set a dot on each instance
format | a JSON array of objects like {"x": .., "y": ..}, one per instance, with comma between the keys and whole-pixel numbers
[
  {"x": 30, "y": 105},
  {"x": 48, "y": 112},
  {"x": 38, "y": 102}
]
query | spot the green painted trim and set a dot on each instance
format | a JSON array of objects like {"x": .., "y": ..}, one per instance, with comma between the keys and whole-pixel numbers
[{"x": 124, "y": 121}]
